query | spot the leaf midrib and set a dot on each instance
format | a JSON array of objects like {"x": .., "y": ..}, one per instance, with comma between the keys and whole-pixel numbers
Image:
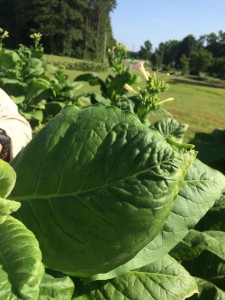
[{"x": 77, "y": 193}]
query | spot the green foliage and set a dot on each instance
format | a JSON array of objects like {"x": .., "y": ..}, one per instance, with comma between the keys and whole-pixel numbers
[
  {"x": 205, "y": 54},
  {"x": 105, "y": 197},
  {"x": 146, "y": 51},
  {"x": 114, "y": 89},
  {"x": 217, "y": 69},
  {"x": 60, "y": 287},
  {"x": 21, "y": 268},
  {"x": 202, "y": 250},
  {"x": 34, "y": 85},
  {"x": 74, "y": 28},
  {"x": 169, "y": 127},
  {"x": 211, "y": 148},
  {"x": 164, "y": 279},
  {"x": 70, "y": 63},
  {"x": 200, "y": 61},
  {"x": 116, "y": 56},
  {"x": 185, "y": 64},
  {"x": 124, "y": 171},
  {"x": 187, "y": 210}
]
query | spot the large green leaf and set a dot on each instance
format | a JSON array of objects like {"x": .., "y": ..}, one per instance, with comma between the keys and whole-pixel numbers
[
  {"x": 21, "y": 269},
  {"x": 97, "y": 186},
  {"x": 7, "y": 179},
  {"x": 56, "y": 288},
  {"x": 200, "y": 190},
  {"x": 165, "y": 279}
]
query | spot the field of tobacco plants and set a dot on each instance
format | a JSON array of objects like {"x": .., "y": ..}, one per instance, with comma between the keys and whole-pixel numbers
[{"x": 103, "y": 203}]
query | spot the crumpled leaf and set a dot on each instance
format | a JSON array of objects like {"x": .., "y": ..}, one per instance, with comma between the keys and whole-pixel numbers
[
  {"x": 7, "y": 178},
  {"x": 6, "y": 208},
  {"x": 56, "y": 288},
  {"x": 21, "y": 269},
  {"x": 169, "y": 127}
]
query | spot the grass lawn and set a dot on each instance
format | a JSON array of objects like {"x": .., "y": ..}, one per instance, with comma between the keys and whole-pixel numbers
[{"x": 202, "y": 107}]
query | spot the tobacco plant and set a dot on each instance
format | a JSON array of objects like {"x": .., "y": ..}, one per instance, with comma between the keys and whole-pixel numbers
[
  {"x": 107, "y": 201},
  {"x": 117, "y": 88},
  {"x": 107, "y": 206},
  {"x": 39, "y": 89}
]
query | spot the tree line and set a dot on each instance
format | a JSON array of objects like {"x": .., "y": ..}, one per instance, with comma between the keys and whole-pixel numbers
[
  {"x": 79, "y": 28},
  {"x": 82, "y": 29},
  {"x": 191, "y": 55}
]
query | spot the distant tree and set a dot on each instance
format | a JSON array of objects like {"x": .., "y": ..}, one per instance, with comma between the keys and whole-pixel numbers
[
  {"x": 217, "y": 68},
  {"x": 185, "y": 64},
  {"x": 216, "y": 43},
  {"x": 155, "y": 60},
  {"x": 188, "y": 45},
  {"x": 17, "y": 17},
  {"x": 167, "y": 54},
  {"x": 145, "y": 51},
  {"x": 69, "y": 27},
  {"x": 98, "y": 31},
  {"x": 192, "y": 55},
  {"x": 161, "y": 52},
  {"x": 200, "y": 61}
]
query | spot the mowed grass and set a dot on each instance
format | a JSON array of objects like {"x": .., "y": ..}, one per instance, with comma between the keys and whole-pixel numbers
[{"x": 198, "y": 104}]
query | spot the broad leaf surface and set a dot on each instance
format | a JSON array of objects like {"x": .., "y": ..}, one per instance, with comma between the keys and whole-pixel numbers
[
  {"x": 56, "y": 288},
  {"x": 21, "y": 269},
  {"x": 165, "y": 279},
  {"x": 200, "y": 190},
  {"x": 7, "y": 179},
  {"x": 97, "y": 186}
]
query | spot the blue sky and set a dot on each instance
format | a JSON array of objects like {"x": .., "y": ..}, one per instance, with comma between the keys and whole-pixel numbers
[{"x": 135, "y": 21}]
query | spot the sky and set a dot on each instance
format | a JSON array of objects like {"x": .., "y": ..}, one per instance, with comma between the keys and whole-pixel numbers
[{"x": 136, "y": 21}]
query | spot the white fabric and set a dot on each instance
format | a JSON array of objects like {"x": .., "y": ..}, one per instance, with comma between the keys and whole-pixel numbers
[{"x": 15, "y": 126}]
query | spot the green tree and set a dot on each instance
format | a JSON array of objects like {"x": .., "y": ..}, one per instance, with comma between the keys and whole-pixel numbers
[
  {"x": 69, "y": 27},
  {"x": 200, "y": 61},
  {"x": 188, "y": 45},
  {"x": 146, "y": 51},
  {"x": 185, "y": 64},
  {"x": 155, "y": 60},
  {"x": 102, "y": 26}
]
